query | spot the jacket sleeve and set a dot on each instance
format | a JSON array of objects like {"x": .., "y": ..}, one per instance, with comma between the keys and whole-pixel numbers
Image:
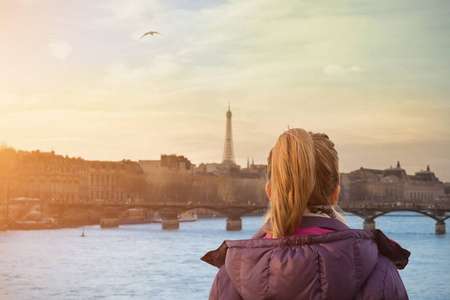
[
  {"x": 384, "y": 282},
  {"x": 222, "y": 287}
]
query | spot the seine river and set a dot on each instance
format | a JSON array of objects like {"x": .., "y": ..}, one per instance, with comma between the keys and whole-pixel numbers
[{"x": 145, "y": 262}]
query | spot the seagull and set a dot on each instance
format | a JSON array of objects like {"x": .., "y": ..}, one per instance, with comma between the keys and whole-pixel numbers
[{"x": 150, "y": 32}]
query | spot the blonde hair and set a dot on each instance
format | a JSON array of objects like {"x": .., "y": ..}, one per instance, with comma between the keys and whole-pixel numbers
[
  {"x": 327, "y": 170},
  {"x": 303, "y": 170}
]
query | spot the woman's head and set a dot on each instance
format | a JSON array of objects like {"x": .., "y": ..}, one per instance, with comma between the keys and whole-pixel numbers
[
  {"x": 303, "y": 170},
  {"x": 327, "y": 170}
]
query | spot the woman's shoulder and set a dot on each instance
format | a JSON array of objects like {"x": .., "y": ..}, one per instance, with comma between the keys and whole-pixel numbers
[{"x": 384, "y": 282}]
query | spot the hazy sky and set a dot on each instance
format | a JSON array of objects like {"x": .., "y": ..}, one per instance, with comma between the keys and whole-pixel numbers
[{"x": 75, "y": 77}]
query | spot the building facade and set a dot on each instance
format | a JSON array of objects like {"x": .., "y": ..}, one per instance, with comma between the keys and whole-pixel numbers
[
  {"x": 392, "y": 184},
  {"x": 45, "y": 178}
]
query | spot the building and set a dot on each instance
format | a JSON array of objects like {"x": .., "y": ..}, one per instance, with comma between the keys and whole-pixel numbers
[
  {"x": 172, "y": 162},
  {"x": 114, "y": 182},
  {"x": 45, "y": 178},
  {"x": 254, "y": 171},
  {"x": 391, "y": 184},
  {"x": 228, "y": 149},
  {"x": 178, "y": 163}
]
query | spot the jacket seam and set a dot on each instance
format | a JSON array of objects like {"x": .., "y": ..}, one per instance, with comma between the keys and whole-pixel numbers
[
  {"x": 357, "y": 263},
  {"x": 268, "y": 274},
  {"x": 240, "y": 273},
  {"x": 384, "y": 280},
  {"x": 322, "y": 296}
]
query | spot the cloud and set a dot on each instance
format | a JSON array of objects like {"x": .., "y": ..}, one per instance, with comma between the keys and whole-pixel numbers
[
  {"x": 14, "y": 102},
  {"x": 60, "y": 49},
  {"x": 136, "y": 14},
  {"x": 26, "y": 3},
  {"x": 337, "y": 70},
  {"x": 158, "y": 69}
]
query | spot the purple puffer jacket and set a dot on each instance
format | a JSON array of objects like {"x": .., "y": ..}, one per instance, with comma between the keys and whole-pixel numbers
[{"x": 346, "y": 264}]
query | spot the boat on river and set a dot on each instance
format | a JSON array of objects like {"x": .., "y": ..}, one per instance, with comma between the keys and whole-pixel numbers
[
  {"x": 136, "y": 221},
  {"x": 136, "y": 216},
  {"x": 187, "y": 216},
  {"x": 49, "y": 223}
]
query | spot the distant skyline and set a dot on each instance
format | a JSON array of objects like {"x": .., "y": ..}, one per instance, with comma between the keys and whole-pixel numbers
[{"x": 77, "y": 78}]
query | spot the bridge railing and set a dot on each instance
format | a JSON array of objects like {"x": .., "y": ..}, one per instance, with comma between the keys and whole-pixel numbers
[
  {"x": 396, "y": 205},
  {"x": 384, "y": 199}
]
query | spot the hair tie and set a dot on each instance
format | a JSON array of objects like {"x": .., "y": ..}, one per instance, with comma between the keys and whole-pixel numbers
[{"x": 328, "y": 210}]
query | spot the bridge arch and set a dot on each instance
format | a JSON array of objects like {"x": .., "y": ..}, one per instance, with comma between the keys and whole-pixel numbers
[
  {"x": 382, "y": 213},
  {"x": 369, "y": 216},
  {"x": 234, "y": 214},
  {"x": 169, "y": 211}
]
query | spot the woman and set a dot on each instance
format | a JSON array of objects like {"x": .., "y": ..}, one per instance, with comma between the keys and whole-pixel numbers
[{"x": 306, "y": 250}]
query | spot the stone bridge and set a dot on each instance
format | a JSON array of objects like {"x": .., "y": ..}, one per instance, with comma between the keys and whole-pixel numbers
[
  {"x": 370, "y": 211},
  {"x": 168, "y": 211}
]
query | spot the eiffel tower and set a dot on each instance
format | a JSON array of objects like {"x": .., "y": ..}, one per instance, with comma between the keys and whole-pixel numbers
[{"x": 228, "y": 149}]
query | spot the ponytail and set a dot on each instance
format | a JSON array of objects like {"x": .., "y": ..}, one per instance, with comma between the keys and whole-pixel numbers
[{"x": 291, "y": 170}]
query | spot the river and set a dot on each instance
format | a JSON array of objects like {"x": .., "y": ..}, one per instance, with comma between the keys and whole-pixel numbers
[{"x": 145, "y": 262}]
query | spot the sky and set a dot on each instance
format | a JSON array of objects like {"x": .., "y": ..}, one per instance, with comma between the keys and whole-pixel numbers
[{"x": 77, "y": 78}]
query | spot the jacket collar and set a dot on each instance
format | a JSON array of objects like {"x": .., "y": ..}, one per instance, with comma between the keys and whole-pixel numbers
[
  {"x": 386, "y": 247},
  {"x": 306, "y": 222},
  {"x": 322, "y": 222}
]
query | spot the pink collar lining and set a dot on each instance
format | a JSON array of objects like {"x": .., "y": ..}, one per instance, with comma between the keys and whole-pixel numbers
[{"x": 305, "y": 231}]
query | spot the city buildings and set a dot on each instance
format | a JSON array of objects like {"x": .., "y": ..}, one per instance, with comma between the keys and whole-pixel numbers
[
  {"x": 391, "y": 184},
  {"x": 29, "y": 181}
]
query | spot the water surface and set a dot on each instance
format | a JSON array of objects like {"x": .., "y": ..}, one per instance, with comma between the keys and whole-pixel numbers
[{"x": 145, "y": 262}]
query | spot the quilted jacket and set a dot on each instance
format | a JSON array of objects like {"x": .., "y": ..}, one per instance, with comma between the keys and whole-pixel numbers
[{"x": 345, "y": 264}]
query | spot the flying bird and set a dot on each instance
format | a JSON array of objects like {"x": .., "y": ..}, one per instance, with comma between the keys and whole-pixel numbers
[{"x": 150, "y": 32}]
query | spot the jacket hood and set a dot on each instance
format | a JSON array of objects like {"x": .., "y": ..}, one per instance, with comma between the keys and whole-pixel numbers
[{"x": 331, "y": 265}]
